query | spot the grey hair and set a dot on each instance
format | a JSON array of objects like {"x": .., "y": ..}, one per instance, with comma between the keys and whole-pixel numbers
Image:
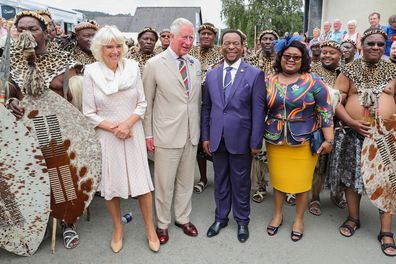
[
  {"x": 178, "y": 23},
  {"x": 105, "y": 36}
]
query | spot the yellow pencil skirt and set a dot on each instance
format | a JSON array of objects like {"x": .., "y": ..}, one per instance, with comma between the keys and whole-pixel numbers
[{"x": 291, "y": 168}]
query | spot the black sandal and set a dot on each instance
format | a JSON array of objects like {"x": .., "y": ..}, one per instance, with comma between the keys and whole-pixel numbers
[
  {"x": 296, "y": 236},
  {"x": 385, "y": 246},
  {"x": 349, "y": 227},
  {"x": 272, "y": 230}
]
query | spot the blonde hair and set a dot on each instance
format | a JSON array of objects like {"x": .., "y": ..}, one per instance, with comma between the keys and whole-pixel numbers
[{"x": 105, "y": 36}]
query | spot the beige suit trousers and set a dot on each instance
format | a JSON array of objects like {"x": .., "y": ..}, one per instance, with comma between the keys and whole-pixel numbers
[{"x": 174, "y": 170}]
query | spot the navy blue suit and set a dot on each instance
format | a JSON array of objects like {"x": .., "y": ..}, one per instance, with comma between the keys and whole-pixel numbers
[{"x": 233, "y": 127}]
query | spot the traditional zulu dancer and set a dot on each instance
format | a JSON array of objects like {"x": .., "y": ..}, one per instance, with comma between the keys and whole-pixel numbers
[
  {"x": 330, "y": 58},
  {"x": 51, "y": 28},
  {"x": 165, "y": 41},
  {"x": 79, "y": 46},
  {"x": 315, "y": 55},
  {"x": 30, "y": 81},
  {"x": 349, "y": 49},
  {"x": 208, "y": 55},
  {"x": 145, "y": 50},
  {"x": 85, "y": 31},
  {"x": 368, "y": 90},
  {"x": 328, "y": 70},
  {"x": 52, "y": 64},
  {"x": 24, "y": 188},
  {"x": 263, "y": 59}
]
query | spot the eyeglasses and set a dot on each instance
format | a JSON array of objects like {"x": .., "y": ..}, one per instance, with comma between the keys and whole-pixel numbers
[
  {"x": 165, "y": 36},
  {"x": 289, "y": 57},
  {"x": 373, "y": 43}
]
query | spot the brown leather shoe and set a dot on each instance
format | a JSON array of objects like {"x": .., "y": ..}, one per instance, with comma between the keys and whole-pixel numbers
[
  {"x": 162, "y": 235},
  {"x": 189, "y": 229}
]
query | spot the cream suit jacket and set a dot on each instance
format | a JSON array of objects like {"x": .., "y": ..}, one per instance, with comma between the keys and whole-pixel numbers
[{"x": 171, "y": 111}]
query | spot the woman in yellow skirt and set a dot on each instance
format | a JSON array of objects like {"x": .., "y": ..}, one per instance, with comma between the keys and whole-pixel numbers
[{"x": 298, "y": 103}]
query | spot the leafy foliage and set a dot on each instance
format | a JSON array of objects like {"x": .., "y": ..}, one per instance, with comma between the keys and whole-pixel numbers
[{"x": 279, "y": 15}]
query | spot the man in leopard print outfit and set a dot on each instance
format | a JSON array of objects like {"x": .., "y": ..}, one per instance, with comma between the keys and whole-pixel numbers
[
  {"x": 208, "y": 55},
  {"x": 349, "y": 49},
  {"x": 165, "y": 41},
  {"x": 328, "y": 70},
  {"x": 85, "y": 31},
  {"x": 368, "y": 88},
  {"x": 79, "y": 46},
  {"x": 51, "y": 27},
  {"x": 207, "y": 52},
  {"x": 263, "y": 59},
  {"x": 52, "y": 64},
  {"x": 315, "y": 56},
  {"x": 145, "y": 49}
]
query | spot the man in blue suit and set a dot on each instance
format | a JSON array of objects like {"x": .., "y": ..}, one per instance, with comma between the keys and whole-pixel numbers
[{"x": 232, "y": 123}]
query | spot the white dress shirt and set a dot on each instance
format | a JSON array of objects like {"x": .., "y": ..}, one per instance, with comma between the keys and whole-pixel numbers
[{"x": 234, "y": 66}]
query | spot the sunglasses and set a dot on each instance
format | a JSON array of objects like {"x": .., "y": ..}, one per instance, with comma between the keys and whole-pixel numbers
[
  {"x": 165, "y": 36},
  {"x": 290, "y": 57},
  {"x": 373, "y": 43}
]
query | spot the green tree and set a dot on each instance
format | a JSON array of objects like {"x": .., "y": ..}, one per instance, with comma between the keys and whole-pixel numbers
[{"x": 250, "y": 15}]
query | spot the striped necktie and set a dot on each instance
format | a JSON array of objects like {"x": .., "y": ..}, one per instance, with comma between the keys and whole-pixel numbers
[
  {"x": 227, "y": 83},
  {"x": 183, "y": 72},
  {"x": 227, "y": 78}
]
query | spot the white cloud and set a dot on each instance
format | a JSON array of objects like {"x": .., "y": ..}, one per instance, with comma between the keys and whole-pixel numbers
[{"x": 210, "y": 8}]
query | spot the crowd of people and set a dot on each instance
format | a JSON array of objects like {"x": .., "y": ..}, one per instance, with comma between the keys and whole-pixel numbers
[{"x": 294, "y": 112}]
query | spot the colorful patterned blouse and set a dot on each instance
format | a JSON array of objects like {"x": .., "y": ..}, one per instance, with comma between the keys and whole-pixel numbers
[{"x": 296, "y": 110}]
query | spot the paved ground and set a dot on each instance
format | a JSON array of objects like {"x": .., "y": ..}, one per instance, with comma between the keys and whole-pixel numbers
[{"x": 321, "y": 242}]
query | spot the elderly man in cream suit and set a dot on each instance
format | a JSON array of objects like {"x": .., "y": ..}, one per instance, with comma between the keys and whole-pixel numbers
[{"x": 172, "y": 84}]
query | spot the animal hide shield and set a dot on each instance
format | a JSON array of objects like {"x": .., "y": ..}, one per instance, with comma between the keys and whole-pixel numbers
[
  {"x": 379, "y": 165},
  {"x": 71, "y": 151},
  {"x": 24, "y": 188}
]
